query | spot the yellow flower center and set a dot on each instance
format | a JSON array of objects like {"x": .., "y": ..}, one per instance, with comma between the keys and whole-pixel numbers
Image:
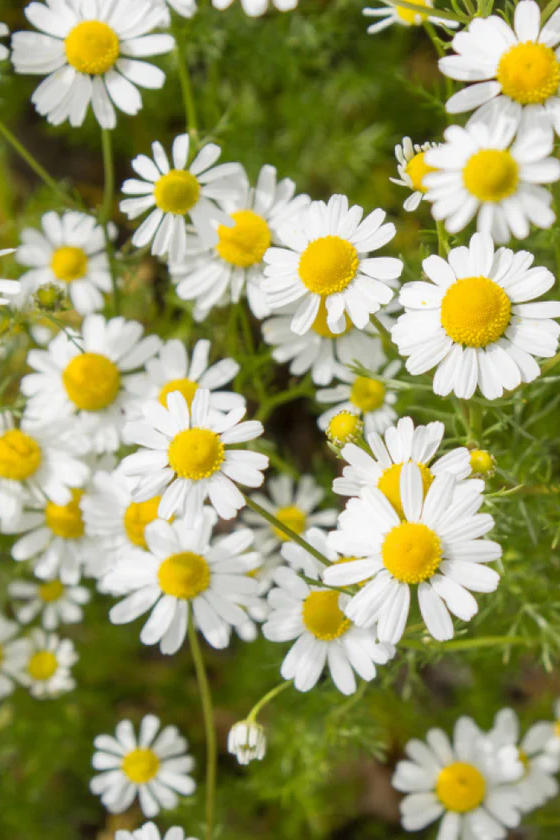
[
  {"x": 460, "y": 787},
  {"x": 92, "y": 47},
  {"x": 475, "y": 311},
  {"x": 411, "y": 552},
  {"x": 321, "y": 327},
  {"x": 186, "y": 387},
  {"x": 525, "y": 761},
  {"x": 137, "y": 516},
  {"x": 482, "y": 462},
  {"x": 184, "y": 575},
  {"x": 409, "y": 16},
  {"x": 177, "y": 192},
  {"x": 20, "y": 455},
  {"x": 140, "y": 766},
  {"x": 42, "y": 665},
  {"x": 245, "y": 243},
  {"x": 390, "y": 484},
  {"x": 92, "y": 381},
  {"x": 328, "y": 265},
  {"x": 66, "y": 520},
  {"x": 293, "y": 517},
  {"x": 529, "y": 73},
  {"x": 323, "y": 617},
  {"x": 196, "y": 453},
  {"x": 69, "y": 263},
  {"x": 344, "y": 427},
  {"x": 417, "y": 168},
  {"x": 491, "y": 175},
  {"x": 367, "y": 394},
  {"x": 51, "y": 591}
]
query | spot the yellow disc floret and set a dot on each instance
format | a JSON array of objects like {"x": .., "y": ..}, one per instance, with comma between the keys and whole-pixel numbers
[
  {"x": 367, "y": 394},
  {"x": 409, "y": 16},
  {"x": 417, "y": 169},
  {"x": 186, "y": 387},
  {"x": 92, "y": 47},
  {"x": 328, "y": 265},
  {"x": 196, "y": 453},
  {"x": 460, "y": 787},
  {"x": 92, "y": 381},
  {"x": 177, "y": 192},
  {"x": 69, "y": 263},
  {"x": 293, "y": 517},
  {"x": 20, "y": 455},
  {"x": 390, "y": 486},
  {"x": 321, "y": 327},
  {"x": 42, "y": 665},
  {"x": 51, "y": 591},
  {"x": 483, "y": 463},
  {"x": 475, "y": 311},
  {"x": 491, "y": 175},
  {"x": 344, "y": 427},
  {"x": 411, "y": 552},
  {"x": 529, "y": 73},
  {"x": 184, "y": 575},
  {"x": 137, "y": 516},
  {"x": 323, "y": 617},
  {"x": 66, "y": 521},
  {"x": 245, "y": 243},
  {"x": 140, "y": 765}
]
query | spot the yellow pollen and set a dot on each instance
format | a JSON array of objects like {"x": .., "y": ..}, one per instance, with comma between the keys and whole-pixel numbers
[
  {"x": 66, "y": 521},
  {"x": 184, "y": 575},
  {"x": 177, "y": 192},
  {"x": 323, "y": 617},
  {"x": 344, "y": 427},
  {"x": 460, "y": 787},
  {"x": 69, "y": 263},
  {"x": 529, "y": 73},
  {"x": 186, "y": 387},
  {"x": 293, "y": 517},
  {"x": 20, "y": 455},
  {"x": 389, "y": 484},
  {"x": 92, "y": 47},
  {"x": 328, "y": 265},
  {"x": 491, "y": 175},
  {"x": 51, "y": 591},
  {"x": 417, "y": 168},
  {"x": 137, "y": 516},
  {"x": 42, "y": 665},
  {"x": 140, "y": 766},
  {"x": 411, "y": 552},
  {"x": 321, "y": 327},
  {"x": 92, "y": 381},
  {"x": 482, "y": 462},
  {"x": 245, "y": 243},
  {"x": 409, "y": 16},
  {"x": 475, "y": 311},
  {"x": 196, "y": 453},
  {"x": 367, "y": 394}
]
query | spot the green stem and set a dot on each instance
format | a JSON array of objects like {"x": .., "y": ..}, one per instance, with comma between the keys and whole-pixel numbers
[
  {"x": 440, "y": 13},
  {"x": 443, "y": 240},
  {"x": 381, "y": 329},
  {"x": 106, "y": 209},
  {"x": 549, "y": 364},
  {"x": 210, "y": 732},
  {"x": 549, "y": 10},
  {"x": 264, "y": 701},
  {"x": 186, "y": 90},
  {"x": 465, "y": 644},
  {"x": 272, "y": 520}
]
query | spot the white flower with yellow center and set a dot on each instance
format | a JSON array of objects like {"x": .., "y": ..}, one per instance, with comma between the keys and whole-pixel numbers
[
  {"x": 89, "y": 53},
  {"x": 516, "y": 71},
  {"x": 153, "y": 766},
  {"x": 12, "y": 653},
  {"x": 434, "y": 546},
  {"x": 412, "y": 168},
  {"x": 389, "y": 14},
  {"x": 482, "y": 171},
  {"x": 459, "y": 781},
  {"x": 368, "y": 397},
  {"x": 46, "y": 668},
  {"x": 9, "y": 289},
  {"x": 184, "y": 569},
  {"x": 256, "y": 8},
  {"x": 54, "y": 602},
  {"x": 149, "y": 831},
  {"x": 173, "y": 193},
  {"x": 183, "y": 8},
  {"x": 85, "y": 375},
  {"x": 314, "y": 617},
  {"x": 325, "y": 262},
  {"x": 476, "y": 322},
  {"x": 235, "y": 264},
  {"x": 70, "y": 252},
  {"x": 185, "y": 457}
]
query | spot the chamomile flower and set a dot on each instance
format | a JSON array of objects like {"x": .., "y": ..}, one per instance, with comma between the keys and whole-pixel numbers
[
  {"x": 366, "y": 396},
  {"x": 154, "y": 766},
  {"x": 553, "y": 744},
  {"x": 325, "y": 262},
  {"x": 460, "y": 781},
  {"x": 9, "y": 289},
  {"x": 54, "y": 602},
  {"x": 412, "y": 167},
  {"x": 84, "y": 376},
  {"x": 176, "y": 192},
  {"x": 477, "y": 320},
  {"x": 235, "y": 265},
  {"x": 184, "y": 569},
  {"x": 183, "y": 8},
  {"x": 46, "y": 671},
  {"x": 301, "y": 560},
  {"x": 314, "y": 617},
  {"x": 293, "y": 505},
  {"x": 69, "y": 252},
  {"x": 482, "y": 171},
  {"x": 12, "y": 653},
  {"x": 434, "y": 546},
  {"x": 4, "y": 51},
  {"x": 256, "y": 8},
  {"x": 149, "y": 831},
  {"x": 389, "y": 14},
  {"x": 185, "y": 456},
  {"x": 247, "y": 741}
]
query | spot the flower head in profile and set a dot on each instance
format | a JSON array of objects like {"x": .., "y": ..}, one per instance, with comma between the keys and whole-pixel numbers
[
  {"x": 389, "y": 14},
  {"x": 54, "y": 602},
  {"x": 412, "y": 169},
  {"x": 247, "y": 741},
  {"x": 256, "y": 8},
  {"x": 45, "y": 665},
  {"x": 149, "y": 831}
]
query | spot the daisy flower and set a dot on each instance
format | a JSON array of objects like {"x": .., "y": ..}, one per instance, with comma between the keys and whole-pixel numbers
[
  {"x": 482, "y": 171},
  {"x": 247, "y": 742},
  {"x": 52, "y": 600},
  {"x": 149, "y": 831},
  {"x": 183, "y": 569},
  {"x": 84, "y": 375},
  {"x": 389, "y": 14},
  {"x": 435, "y": 547},
  {"x": 366, "y": 396},
  {"x": 515, "y": 71},
  {"x": 235, "y": 264},
  {"x": 46, "y": 668},
  {"x": 9, "y": 289},
  {"x": 153, "y": 766},
  {"x": 185, "y": 456},
  {"x": 294, "y": 505},
  {"x": 4, "y": 52},
  {"x": 89, "y": 53},
  {"x": 176, "y": 192},
  {"x": 314, "y": 617},
  {"x": 460, "y": 781},
  {"x": 69, "y": 252},
  {"x": 326, "y": 262},
  {"x": 412, "y": 168},
  {"x": 256, "y": 8},
  {"x": 477, "y": 320},
  {"x": 184, "y": 8},
  {"x": 12, "y": 652}
]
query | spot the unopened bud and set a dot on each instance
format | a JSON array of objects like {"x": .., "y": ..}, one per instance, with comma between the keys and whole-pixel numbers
[
  {"x": 483, "y": 463},
  {"x": 50, "y": 298},
  {"x": 345, "y": 427},
  {"x": 247, "y": 741}
]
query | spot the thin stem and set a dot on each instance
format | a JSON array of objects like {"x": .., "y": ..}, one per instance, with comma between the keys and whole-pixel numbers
[
  {"x": 106, "y": 209},
  {"x": 550, "y": 363},
  {"x": 264, "y": 701},
  {"x": 549, "y": 10},
  {"x": 186, "y": 90},
  {"x": 381, "y": 328},
  {"x": 272, "y": 520},
  {"x": 210, "y": 732},
  {"x": 443, "y": 240}
]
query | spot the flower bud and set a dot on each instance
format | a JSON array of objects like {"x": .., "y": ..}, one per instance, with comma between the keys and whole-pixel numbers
[
  {"x": 345, "y": 427},
  {"x": 247, "y": 741},
  {"x": 483, "y": 463}
]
